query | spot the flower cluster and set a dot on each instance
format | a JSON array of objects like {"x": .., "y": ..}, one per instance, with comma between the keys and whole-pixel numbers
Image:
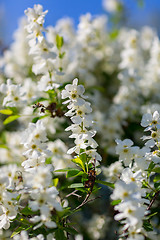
[
  {"x": 128, "y": 190},
  {"x": 131, "y": 209},
  {"x": 9, "y": 206},
  {"x": 119, "y": 72},
  {"x": 79, "y": 109},
  {"x": 34, "y": 140},
  {"x": 15, "y": 94},
  {"x": 41, "y": 50}
]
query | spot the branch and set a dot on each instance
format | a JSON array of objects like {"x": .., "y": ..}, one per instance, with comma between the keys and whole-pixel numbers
[
  {"x": 73, "y": 193},
  {"x": 86, "y": 200},
  {"x": 153, "y": 200}
]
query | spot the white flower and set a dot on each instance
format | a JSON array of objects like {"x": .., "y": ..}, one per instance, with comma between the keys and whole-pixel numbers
[
  {"x": 124, "y": 191},
  {"x": 41, "y": 177},
  {"x": 80, "y": 144},
  {"x": 7, "y": 214},
  {"x": 74, "y": 92},
  {"x": 130, "y": 210},
  {"x": 125, "y": 150},
  {"x": 24, "y": 236},
  {"x": 46, "y": 83},
  {"x": 113, "y": 171},
  {"x": 149, "y": 120},
  {"x": 34, "y": 139},
  {"x": 111, "y": 5},
  {"x": 15, "y": 94},
  {"x": 35, "y": 17},
  {"x": 60, "y": 158},
  {"x": 128, "y": 176},
  {"x": 43, "y": 219}
]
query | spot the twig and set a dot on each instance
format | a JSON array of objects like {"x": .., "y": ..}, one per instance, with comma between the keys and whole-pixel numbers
[
  {"x": 73, "y": 193},
  {"x": 86, "y": 200},
  {"x": 153, "y": 200}
]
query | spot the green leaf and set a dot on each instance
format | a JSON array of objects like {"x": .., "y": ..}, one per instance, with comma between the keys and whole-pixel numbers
[
  {"x": 18, "y": 197},
  {"x": 59, "y": 234},
  {"x": 105, "y": 183},
  {"x": 34, "y": 120},
  {"x": 83, "y": 157},
  {"x": 3, "y": 146},
  {"x": 19, "y": 229},
  {"x": 150, "y": 168},
  {"x": 156, "y": 178},
  {"x": 151, "y": 215},
  {"x": 55, "y": 182},
  {"x": 157, "y": 170},
  {"x": 157, "y": 186},
  {"x": 6, "y": 111},
  {"x": 79, "y": 162},
  {"x": 67, "y": 212},
  {"x": 115, "y": 202},
  {"x": 70, "y": 230},
  {"x": 10, "y": 119},
  {"x": 147, "y": 226},
  {"x": 65, "y": 169},
  {"x": 59, "y": 41},
  {"x": 144, "y": 184},
  {"x": 114, "y": 34},
  {"x": 61, "y": 55},
  {"x": 76, "y": 185},
  {"x": 48, "y": 160},
  {"x": 52, "y": 95},
  {"x": 74, "y": 173},
  {"x": 27, "y": 211}
]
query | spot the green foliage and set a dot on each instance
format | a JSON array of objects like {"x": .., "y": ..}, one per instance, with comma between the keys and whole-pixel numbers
[
  {"x": 156, "y": 170},
  {"x": 74, "y": 173},
  {"x": 65, "y": 170},
  {"x": 55, "y": 182},
  {"x": 150, "y": 168},
  {"x": 80, "y": 162},
  {"x": 156, "y": 178},
  {"x": 115, "y": 202},
  {"x": 6, "y": 111},
  {"x": 105, "y": 183},
  {"x": 59, "y": 41},
  {"x": 114, "y": 34},
  {"x": 10, "y": 119},
  {"x": 34, "y": 120},
  {"x": 59, "y": 234},
  {"x": 147, "y": 226},
  {"x": 19, "y": 229},
  {"x": 76, "y": 185}
]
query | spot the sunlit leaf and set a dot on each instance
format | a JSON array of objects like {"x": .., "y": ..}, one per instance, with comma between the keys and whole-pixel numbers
[
  {"x": 76, "y": 185},
  {"x": 10, "y": 119},
  {"x": 6, "y": 111}
]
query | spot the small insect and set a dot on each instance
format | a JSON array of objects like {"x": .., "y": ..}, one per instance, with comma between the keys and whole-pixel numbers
[
  {"x": 52, "y": 108},
  {"x": 20, "y": 178},
  {"x": 38, "y": 105}
]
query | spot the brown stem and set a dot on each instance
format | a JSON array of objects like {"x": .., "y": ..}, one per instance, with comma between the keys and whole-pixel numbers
[
  {"x": 153, "y": 200},
  {"x": 86, "y": 200},
  {"x": 73, "y": 193}
]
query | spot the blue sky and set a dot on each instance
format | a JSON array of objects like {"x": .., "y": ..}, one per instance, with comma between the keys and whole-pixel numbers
[{"x": 12, "y": 10}]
